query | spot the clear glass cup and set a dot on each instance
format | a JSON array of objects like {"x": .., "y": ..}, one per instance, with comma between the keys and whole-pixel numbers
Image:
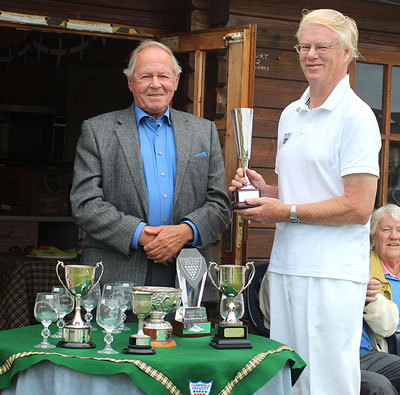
[
  {"x": 67, "y": 303},
  {"x": 127, "y": 301},
  {"x": 46, "y": 310},
  {"x": 115, "y": 291},
  {"x": 89, "y": 302},
  {"x": 109, "y": 317}
]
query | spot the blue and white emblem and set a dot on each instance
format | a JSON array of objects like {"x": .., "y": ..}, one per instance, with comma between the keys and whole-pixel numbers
[{"x": 200, "y": 388}]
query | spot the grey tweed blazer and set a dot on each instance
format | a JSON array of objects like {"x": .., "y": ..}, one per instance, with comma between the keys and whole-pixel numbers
[{"x": 108, "y": 194}]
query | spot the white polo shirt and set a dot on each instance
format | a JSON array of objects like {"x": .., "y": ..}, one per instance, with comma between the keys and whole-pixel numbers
[{"x": 316, "y": 148}]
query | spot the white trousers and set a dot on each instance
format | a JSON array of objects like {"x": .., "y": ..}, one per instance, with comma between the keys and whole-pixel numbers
[{"x": 321, "y": 319}]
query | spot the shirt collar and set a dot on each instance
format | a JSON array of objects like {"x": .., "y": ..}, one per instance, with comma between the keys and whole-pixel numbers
[
  {"x": 386, "y": 271},
  {"x": 333, "y": 99},
  {"x": 140, "y": 114}
]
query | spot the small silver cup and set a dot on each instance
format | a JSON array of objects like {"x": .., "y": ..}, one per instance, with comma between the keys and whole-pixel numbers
[{"x": 140, "y": 343}]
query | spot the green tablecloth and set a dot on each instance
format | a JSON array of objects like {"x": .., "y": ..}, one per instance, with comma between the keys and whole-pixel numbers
[{"x": 168, "y": 371}]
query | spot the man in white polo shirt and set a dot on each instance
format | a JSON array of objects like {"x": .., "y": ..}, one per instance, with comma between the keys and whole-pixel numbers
[{"x": 327, "y": 166}]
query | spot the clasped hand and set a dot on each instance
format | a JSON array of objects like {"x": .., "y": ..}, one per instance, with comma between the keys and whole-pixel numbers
[{"x": 163, "y": 243}]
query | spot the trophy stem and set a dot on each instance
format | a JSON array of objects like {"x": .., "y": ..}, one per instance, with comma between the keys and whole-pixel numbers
[
  {"x": 78, "y": 316},
  {"x": 140, "y": 326}
]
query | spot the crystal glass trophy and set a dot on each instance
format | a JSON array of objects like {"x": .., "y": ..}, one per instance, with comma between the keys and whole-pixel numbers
[
  {"x": 242, "y": 121},
  {"x": 191, "y": 318},
  {"x": 231, "y": 332},
  {"x": 164, "y": 300},
  {"x": 79, "y": 281},
  {"x": 140, "y": 343}
]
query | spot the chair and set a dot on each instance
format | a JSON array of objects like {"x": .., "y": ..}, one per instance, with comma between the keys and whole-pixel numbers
[{"x": 252, "y": 301}]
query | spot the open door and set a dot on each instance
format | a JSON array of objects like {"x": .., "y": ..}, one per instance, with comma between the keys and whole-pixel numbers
[{"x": 218, "y": 75}]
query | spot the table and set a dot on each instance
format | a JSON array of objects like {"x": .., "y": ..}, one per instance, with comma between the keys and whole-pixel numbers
[
  {"x": 21, "y": 278},
  {"x": 168, "y": 371}
]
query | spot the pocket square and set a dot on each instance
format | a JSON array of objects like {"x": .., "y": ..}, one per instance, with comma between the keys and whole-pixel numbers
[{"x": 201, "y": 154}]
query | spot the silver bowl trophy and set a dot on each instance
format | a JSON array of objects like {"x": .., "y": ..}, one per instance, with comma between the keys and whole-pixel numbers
[
  {"x": 231, "y": 332},
  {"x": 191, "y": 318},
  {"x": 141, "y": 306},
  {"x": 164, "y": 300},
  {"x": 242, "y": 121},
  {"x": 79, "y": 281}
]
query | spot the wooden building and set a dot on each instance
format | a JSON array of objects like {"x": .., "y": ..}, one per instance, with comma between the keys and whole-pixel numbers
[{"x": 66, "y": 59}]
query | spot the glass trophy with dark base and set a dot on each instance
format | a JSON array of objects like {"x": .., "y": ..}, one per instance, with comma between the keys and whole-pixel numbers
[
  {"x": 231, "y": 332},
  {"x": 242, "y": 121},
  {"x": 140, "y": 343},
  {"x": 191, "y": 318}
]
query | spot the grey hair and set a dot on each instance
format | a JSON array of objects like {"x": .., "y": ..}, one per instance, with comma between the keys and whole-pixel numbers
[
  {"x": 148, "y": 44},
  {"x": 344, "y": 27},
  {"x": 378, "y": 214}
]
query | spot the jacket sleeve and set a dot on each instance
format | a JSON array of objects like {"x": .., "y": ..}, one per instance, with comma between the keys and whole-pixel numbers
[{"x": 382, "y": 316}]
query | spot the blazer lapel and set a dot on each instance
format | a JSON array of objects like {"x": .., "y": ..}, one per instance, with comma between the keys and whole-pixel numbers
[
  {"x": 183, "y": 141},
  {"x": 128, "y": 136}
]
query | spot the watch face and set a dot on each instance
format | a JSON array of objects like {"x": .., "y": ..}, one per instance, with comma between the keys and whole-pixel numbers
[{"x": 294, "y": 220}]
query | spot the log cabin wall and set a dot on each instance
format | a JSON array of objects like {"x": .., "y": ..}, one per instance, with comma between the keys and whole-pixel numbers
[{"x": 279, "y": 79}]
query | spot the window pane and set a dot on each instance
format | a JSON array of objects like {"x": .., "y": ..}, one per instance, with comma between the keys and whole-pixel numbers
[
  {"x": 369, "y": 86},
  {"x": 394, "y": 174},
  {"x": 395, "y": 116}
]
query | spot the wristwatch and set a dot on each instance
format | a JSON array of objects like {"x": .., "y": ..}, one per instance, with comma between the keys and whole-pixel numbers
[{"x": 294, "y": 219}]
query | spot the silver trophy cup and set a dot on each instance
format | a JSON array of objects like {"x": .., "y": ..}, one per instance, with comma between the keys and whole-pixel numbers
[
  {"x": 164, "y": 300},
  {"x": 231, "y": 333},
  {"x": 140, "y": 343},
  {"x": 242, "y": 121},
  {"x": 79, "y": 280}
]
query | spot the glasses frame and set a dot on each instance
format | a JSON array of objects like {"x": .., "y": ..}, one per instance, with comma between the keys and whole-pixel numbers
[{"x": 319, "y": 48}]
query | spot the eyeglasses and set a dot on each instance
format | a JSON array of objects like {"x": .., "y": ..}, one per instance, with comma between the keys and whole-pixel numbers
[{"x": 320, "y": 48}]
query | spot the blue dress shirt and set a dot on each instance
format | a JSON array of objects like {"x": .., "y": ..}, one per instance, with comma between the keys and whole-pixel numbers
[{"x": 158, "y": 152}]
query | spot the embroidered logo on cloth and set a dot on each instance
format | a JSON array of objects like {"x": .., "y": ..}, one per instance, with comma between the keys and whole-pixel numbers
[{"x": 200, "y": 388}]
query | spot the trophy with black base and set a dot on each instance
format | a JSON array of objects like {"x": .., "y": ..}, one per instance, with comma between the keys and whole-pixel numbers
[
  {"x": 191, "y": 318},
  {"x": 242, "y": 121},
  {"x": 79, "y": 281},
  {"x": 231, "y": 332},
  {"x": 141, "y": 306}
]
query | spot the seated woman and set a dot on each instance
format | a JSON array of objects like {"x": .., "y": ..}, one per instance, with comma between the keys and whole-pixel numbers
[{"x": 381, "y": 369}]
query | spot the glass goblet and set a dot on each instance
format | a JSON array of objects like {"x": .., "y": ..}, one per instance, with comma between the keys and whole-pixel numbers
[
  {"x": 89, "y": 302},
  {"x": 115, "y": 291},
  {"x": 46, "y": 310},
  {"x": 67, "y": 303},
  {"x": 109, "y": 317},
  {"x": 126, "y": 303}
]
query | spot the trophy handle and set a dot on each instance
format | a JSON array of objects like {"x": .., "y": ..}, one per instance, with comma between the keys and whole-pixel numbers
[
  {"x": 212, "y": 264},
  {"x": 253, "y": 272},
  {"x": 60, "y": 263},
  {"x": 101, "y": 273}
]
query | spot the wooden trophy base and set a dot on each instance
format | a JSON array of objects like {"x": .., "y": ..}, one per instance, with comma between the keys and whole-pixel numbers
[
  {"x": 160, "y": 338},
  {"x": 240, "y": 196},
  {"x": 230, "y": 336},
  {"x": 191, "y": 329}
]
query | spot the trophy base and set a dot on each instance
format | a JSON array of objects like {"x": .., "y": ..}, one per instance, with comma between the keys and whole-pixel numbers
[
  {"x": 239, "y": 197},
  {"x": 66, "y": 344},
  {"x": 231, "y": 336},
  {"x": 160, "y": 337},
  {"x": 191, "y": 329},
  {"x": 143, "y": 350},
  {"x": 76, "y": 337},
  {"x": 138, "y": 345}
]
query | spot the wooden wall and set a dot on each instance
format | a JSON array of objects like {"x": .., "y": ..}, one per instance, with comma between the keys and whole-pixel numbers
[
  {"x": 279, "y": 79},
  {"x": 172, "y": 15}
]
